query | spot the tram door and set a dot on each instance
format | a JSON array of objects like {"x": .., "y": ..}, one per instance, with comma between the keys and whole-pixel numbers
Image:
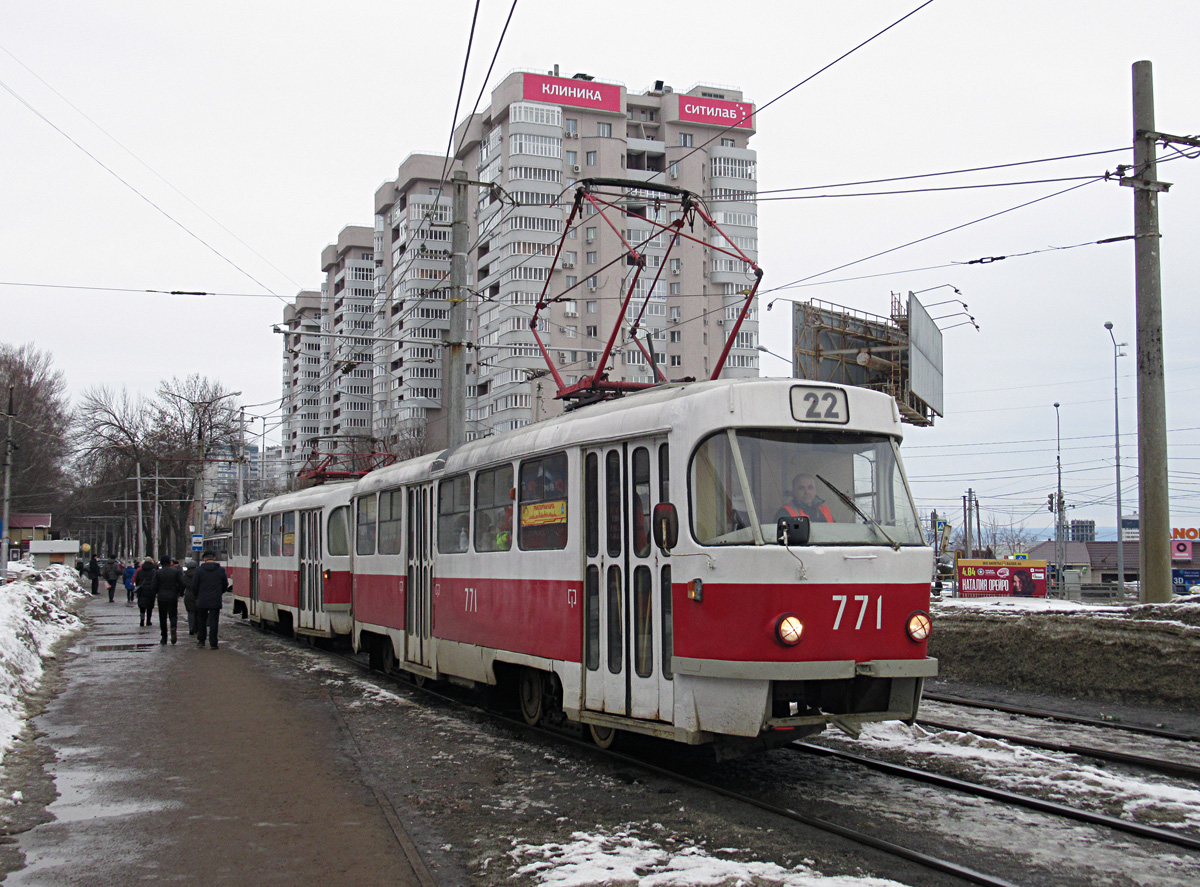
[
  {"x": 311, "y": 580},
  {"x": 419, "y": 558},
  {"x": 624, "y": 584},
  {"x": 254, "y": 566}
]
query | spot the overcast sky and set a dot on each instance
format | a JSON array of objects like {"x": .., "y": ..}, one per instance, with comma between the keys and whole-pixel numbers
[{"x": 252, "y": 132}]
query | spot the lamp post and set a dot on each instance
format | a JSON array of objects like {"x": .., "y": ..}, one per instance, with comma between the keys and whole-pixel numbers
[
  {"x": 1117, "y": 444},
  {"x": 1058, "y": 502},
  {"x": 765, "y": 350}
]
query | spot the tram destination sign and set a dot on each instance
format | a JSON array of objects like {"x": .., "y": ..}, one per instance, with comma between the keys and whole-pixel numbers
[{"x": 811, "y": 403}]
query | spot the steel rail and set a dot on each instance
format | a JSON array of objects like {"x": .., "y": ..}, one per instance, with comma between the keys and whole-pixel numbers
[
  {"x": 1159, "y": 765},
  {"x": 1059, "y": 716},
  {"x": 997, "y": 794}
]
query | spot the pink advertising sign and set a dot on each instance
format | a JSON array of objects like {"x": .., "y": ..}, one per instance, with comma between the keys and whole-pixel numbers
[
  {"x": 582, "y": 93},
  {"x": 716, "y": 112}
]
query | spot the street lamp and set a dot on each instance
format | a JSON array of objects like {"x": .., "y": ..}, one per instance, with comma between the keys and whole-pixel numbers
[
  {"x": 1058, "y": 503},
  {"x": 765, "y": 350},
  {"x": 1117, "y": 444}
]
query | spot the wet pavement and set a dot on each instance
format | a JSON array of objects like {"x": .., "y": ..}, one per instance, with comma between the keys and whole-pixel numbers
[{"x": 190, "y": 765}]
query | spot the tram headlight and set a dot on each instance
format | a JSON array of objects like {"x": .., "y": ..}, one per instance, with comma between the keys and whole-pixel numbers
[
  {"x": 789, "y": 629},
  {"x": 919, "y": 626}
]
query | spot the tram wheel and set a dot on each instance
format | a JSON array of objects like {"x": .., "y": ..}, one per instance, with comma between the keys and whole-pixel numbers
[
  {"x": 604, "y": 737},
  {"x": 375, "y": 655},
  {"x": 388, "y": 662},
  {"x": 418, "y": 679},
  {"x": 530, "y": 693}
]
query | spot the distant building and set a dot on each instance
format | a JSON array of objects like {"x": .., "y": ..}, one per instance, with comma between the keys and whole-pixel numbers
[
  {"x": 1130, "y": 527},
  {"x": 1083, "y": 531}
]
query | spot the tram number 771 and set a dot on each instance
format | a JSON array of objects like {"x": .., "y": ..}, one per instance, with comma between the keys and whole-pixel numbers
[{"x": 863, "y": 602}]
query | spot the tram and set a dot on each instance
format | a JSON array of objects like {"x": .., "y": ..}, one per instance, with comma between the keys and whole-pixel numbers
[{"x": 635, "y": 565}]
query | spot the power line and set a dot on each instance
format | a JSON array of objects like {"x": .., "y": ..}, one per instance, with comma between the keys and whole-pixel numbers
[{"x": 128, "y": 185}]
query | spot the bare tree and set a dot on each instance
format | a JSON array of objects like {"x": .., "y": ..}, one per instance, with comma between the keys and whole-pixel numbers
[
  {"x": 41, "y": 428},
  {"x": 117, "y": 434}
]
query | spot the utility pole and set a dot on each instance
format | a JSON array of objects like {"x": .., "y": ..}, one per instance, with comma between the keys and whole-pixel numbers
[
  {"x": 157, "y": 541},
  {"x": 454, "y": 355},
  {"x": 241, "y": 487},
  {"x": 141, "y": 551},
  {"x": 1153, "y": 490},
  {"x": 5, "y": 533}
]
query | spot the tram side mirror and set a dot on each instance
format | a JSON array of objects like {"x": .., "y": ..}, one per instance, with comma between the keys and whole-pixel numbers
[
  {"x": 792, "y": 530},
  {"x": 665, "y": 522}
]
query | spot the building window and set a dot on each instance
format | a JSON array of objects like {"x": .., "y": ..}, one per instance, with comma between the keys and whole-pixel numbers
[
  {"x": 676, "y": 266},
  {"x": 676, "y": 360},
  {"x": 674, "y": 288},
  {"x": 591, "y": 257},
  {"x": 571, "y": 308},
  {"x": 572, "y": 158},
  {"x": 685, "y": 140},
  {"x": 571, "y": 125},
  {"x": 676, "y": 336},
  {"x": 590, "y": 331},
  {"x": 727, "y": 143},
  {"x": 604, "y": 130},
  {"x": 590, "y": 234},
  {"x": 550, "y": 115},
  {"x": 593, "y": 306},
  {"x": 591, "y": 158}
]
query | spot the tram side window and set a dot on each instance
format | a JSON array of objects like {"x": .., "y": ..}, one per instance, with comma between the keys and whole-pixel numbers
[
  {"x": 246, "y": 537},
  {"x": 641, "y": 502},
  {"x": 543, "y": 504},
  {"x": 391, "y": 513},
  {"x": 591, "y": 504},
  {"x": 364, "y": 521},
  {"x": 276, "y": 534},
  {"x": 338, "y": 535},
  {"x": 264, "y": 536},
  {"x": 237, "y": 529},
  {"x": 664, "y": 473},
  {"x": 454, "y": 514},
  {"x": 494, "y": 509},
  {"x": 643, "y": 622},
  {"x": 289, "y": 534},
  {"x": 668, "y": 624},
  {"x": 612, "y": 502}
]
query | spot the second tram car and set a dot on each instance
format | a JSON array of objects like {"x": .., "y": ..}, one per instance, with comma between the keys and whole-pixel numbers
[{"x": 635, "y": 565}]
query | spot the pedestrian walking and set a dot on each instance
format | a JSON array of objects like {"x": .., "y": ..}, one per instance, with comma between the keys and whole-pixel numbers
[
  {"x": 112, "y": 575},
  {"x": 130, "y": 569},
  {"x": 168, "y": 584},
  {"x": 189, "y": 593},
  {"x": 143, "y": 583},
  {"x": 211, "y": 583},
  {"x": 93, "y": 570}
]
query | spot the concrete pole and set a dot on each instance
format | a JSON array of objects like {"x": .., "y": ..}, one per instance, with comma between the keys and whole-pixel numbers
[
  {"x": 454, "y": 355},
  {"x": 157, "y": 543},
  {"x": 1154, "y": 540},
  {"x": 1117, "y": 444},
  {"x": 5, "y": 532},
  {"x": 200, "y": 480},
  {"x": 1058, "y": 501},
  {"x": 241, "y": 487},
  {"x": 141, "y": 550}
]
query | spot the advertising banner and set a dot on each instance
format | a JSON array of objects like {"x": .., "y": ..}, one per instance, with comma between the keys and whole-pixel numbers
[
  {"x": 716, "y": 111},
  {"x": 982, "y": 578},
  {"x": 581, "y": 93},
  {"x": 539, "y": 514},
  {"x": 1182, "y": 580}
]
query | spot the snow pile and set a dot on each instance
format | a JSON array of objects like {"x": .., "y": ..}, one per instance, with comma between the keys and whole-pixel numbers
[
  {"x": 35, "y": 612},
  {"x": 625, "y": 859}
]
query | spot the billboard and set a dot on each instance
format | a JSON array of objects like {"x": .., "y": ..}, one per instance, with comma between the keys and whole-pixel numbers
[
  {"x": 580, "y": 93},
  {"x": 716, "y": 111},
  {"x": 924, "y": 357},
  {"x": 983, "y": 578}
]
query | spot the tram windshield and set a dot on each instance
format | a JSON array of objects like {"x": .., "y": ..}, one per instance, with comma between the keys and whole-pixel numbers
[{"x": 742, "y": 482}]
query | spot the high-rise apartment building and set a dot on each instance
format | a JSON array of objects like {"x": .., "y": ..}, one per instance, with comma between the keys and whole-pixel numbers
[
  {"x": 385, "y": 307},
  {"x": 305, "y": 362},
  {"x": 348, "y": 308}
]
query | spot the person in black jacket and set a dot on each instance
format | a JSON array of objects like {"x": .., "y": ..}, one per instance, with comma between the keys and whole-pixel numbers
[
  {"x": 168, "y": 584},
  {"x": 93, "y": 570},
  {"x": 210, "y": 584},
  {"x": 189, "y": 593},
  {"x": 143, "y": 583}
]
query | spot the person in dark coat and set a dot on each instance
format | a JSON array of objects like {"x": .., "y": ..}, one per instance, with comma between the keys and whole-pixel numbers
[
  {"x": 168, "y": 584},
  {"x": 143, "y": 583},
  {"x": 189, "y": 593},
  {"x": 112, "y": 575},
  {"x": 211, "y": 583},
  {"x": 93, "y": 570}
]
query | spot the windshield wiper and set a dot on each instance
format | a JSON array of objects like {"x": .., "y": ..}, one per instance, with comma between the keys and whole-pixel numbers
[{"x": 850, "y": 502}]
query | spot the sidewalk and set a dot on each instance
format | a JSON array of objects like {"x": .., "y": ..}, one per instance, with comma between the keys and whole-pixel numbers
[{"x": 197, "y": 766}]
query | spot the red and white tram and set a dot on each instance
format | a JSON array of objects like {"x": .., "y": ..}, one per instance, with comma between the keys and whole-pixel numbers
[{"x": 634, "y": 564}]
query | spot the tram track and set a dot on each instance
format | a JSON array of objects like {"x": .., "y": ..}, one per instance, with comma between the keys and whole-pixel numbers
[
  {"x": 1061, "y": 717},
  {"x": 1013, "y": 798},
  {"x": 929, "y": 861}
]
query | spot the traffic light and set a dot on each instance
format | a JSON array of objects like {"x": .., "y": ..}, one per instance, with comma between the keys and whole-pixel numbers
[{"x": 1050, "y": 502}]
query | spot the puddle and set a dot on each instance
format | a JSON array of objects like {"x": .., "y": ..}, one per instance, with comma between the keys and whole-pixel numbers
[{"x": 114, "y": 648}]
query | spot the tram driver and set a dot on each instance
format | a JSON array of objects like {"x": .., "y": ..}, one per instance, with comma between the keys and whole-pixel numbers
[{"x": 805, "y": 501}]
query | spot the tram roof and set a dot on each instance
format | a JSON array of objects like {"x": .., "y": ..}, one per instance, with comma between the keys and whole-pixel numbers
[
  {"x": 312, "y": 497},
  {"x": 757, "y": 402}
]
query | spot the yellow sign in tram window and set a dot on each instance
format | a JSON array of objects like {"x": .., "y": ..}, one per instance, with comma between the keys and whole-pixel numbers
[{"x": 539, "y": 514}]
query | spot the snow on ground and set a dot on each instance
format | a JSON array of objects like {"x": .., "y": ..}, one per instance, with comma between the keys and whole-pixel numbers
[
  {"x": 35, "y": 612},
  {"x": 1064, "y": 778},
  {"x": 622, "y": 859}
]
